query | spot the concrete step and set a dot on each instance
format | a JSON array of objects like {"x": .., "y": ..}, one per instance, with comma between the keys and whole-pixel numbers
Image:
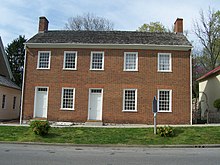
[{"x": 94, "y": 123}]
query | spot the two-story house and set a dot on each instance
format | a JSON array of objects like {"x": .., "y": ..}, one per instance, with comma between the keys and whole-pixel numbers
[
  {"x": 10, "y": 93},
  {"x": 107, "y": 76}
]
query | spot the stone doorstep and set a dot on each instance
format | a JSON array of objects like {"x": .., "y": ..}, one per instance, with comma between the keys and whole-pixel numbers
[
  {"x": 43, "y": 119},
  {"x": 94, "y": 123},
  {"x": 63, "y": 124}
]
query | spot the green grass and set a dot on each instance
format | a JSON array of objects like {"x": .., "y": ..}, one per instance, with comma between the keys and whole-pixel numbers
[{"x": 130, "y": 136}]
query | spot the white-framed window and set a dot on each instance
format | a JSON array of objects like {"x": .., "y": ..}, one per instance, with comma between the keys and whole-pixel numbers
[
  {"x": 14, "y": 102},
  {"x": 43, "y": 60},
  {"x": 164, "y": 100},
  {"x": 164, "y": 62},
  {"x": 97, "y": 61},
  {"x": 3, "y": 101},
  {"x": 68, "y": 99},
  {"x": 130, "y": 100},
  {"x": 130, "y": 61},
  {"x": 70, "y": 60}
]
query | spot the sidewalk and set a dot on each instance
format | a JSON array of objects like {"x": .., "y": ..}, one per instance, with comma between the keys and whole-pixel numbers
[{"x": 69, "y": 124}]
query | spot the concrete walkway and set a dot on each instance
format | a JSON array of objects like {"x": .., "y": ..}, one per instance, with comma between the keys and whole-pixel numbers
[{"x": 68, "y": 124}]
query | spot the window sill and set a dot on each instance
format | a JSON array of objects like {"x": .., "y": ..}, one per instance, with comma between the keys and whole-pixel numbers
[
  {"x": 96, "y": 69},
  {"x": 66, "y": 69},
  {"x": 129, "y": 111},
  {"x": 130, "y": 70},
  {"x": 43, "y": 68},
  {"x": 165, "y": 71},
  {"x": 66, "y": 109},
  {"x": 164, "y": 111}
]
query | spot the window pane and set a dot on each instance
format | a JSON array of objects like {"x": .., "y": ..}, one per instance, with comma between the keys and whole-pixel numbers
[
  {"x": 14, "y": 102},
  {"x": 129, "y": 100},
  {"x": 70, "y": 60},
  {"x": 96, "y": 91},
  {"x": 97, "y": 60},
  {"x": 3, "y": 101},
  {"x": 42, "y": 89},
  {"x": 130, "y": 61},
  {"x": 164, "y": 62},
  {"x": 164, "y": 100},
  {"x": 68, "y": 96},
  {"x": 44, "y": 58}
]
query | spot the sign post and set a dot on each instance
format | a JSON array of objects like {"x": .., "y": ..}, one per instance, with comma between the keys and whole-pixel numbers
[{"x": 154, "y": 110}]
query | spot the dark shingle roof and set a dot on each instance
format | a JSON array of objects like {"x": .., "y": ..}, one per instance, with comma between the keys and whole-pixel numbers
[
  {"x": 8, "y": 83},
  {"x": 110, "y": 37}
]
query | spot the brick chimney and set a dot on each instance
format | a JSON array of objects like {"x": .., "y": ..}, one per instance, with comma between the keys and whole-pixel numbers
[
  {"x": 178, "y": 25},
  {"x": 43, "y": 25}
]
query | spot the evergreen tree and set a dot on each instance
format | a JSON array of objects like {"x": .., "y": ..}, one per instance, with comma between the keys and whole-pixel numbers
[{"x": 15, "y": 53}]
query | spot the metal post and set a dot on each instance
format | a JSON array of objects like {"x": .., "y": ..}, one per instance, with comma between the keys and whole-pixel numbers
[
  {"x": 155, "y": 123},
  {"x": 154, "y": 110}
]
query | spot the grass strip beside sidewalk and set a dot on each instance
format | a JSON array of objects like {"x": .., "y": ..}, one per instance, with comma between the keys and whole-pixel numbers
[{"x": 129, "y": 136}]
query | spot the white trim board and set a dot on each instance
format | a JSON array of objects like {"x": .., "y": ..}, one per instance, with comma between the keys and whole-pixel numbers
[{"x": 109, "y": 46}]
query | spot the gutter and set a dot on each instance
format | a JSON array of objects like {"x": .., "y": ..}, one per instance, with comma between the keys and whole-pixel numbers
[
  {"x": 118, "y": 146},
  {"x": 10, "y": 87},
  {"x": 109, "y": 46}
]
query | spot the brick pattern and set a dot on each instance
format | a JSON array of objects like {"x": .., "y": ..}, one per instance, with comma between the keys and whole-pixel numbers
[
  {"x": 178, "y": 25},
  {"x": 113, "y": 80},
  {"x": 43, "y": 24}
]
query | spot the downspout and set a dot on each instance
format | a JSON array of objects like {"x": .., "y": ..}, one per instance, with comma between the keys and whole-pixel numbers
[
  {"x": 191, "y": 89},
  {"x": 22, "y": 94}
]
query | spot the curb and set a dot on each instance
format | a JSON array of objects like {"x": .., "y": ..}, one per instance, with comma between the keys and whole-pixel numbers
[{"x": 113, "y": 145}]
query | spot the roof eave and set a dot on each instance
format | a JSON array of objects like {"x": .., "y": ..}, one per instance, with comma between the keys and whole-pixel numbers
[
  {"x": 207, "y": 76},
  {"x": 6, "y": 59},
  {"x": 109, "y": 46},
  {"x": 18, "y": 88}
]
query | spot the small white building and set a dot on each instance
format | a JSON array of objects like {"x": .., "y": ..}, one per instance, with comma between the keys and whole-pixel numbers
[
  {"x": 209, "y": 91},
  {"x": 10, "y": 93}
]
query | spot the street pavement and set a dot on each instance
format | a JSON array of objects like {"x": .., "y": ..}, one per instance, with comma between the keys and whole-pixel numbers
[{"x": 28, "y": 154}]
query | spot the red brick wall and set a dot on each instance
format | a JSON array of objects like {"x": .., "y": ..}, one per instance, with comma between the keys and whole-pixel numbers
[{"x": 113, "y": 80}]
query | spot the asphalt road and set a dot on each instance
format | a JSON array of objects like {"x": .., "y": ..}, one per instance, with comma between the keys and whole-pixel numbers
[{"x": 23, "y": 154}]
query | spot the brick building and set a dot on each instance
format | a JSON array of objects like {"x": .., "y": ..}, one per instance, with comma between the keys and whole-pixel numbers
[{"x": 107, "y": 76}]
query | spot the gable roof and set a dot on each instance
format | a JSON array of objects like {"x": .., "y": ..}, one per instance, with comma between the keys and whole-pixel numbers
[
  {"x": 110, "y": 37},
  {"x": 209, "y": 74},
  {"x": 4, "y": 81},
  {"x": 4, "y": 62}
]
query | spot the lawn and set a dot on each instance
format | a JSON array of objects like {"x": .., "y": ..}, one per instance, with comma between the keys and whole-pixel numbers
[{"x": 130, "y": 136}]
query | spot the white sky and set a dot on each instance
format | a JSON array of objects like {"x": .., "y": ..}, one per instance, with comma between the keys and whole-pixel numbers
[{"x": 20, "y": 17}]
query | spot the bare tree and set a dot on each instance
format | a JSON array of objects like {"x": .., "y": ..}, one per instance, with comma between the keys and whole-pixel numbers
[
  {"x": 207, "y": 29},
  {"x": 89, "y": 22}
]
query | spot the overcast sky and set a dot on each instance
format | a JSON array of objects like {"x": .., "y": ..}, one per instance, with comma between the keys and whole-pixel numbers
[{"x": 20, "y": 17}]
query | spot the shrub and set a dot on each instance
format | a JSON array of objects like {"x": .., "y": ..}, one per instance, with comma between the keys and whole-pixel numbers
[
  {"x": 166, "y": 131},
  {"x": 40, "y": 127},
  {"x": 217, "y": 104}
]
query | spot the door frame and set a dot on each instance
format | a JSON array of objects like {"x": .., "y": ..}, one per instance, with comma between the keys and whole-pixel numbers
[
  {"x": 90, "y": 99},
  {"x": 35, "y": 99}
]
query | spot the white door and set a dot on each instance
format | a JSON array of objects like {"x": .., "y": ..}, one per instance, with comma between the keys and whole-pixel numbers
[
  {"x": 41, "y": 102},
  {"x": 95, "y": 104}
]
